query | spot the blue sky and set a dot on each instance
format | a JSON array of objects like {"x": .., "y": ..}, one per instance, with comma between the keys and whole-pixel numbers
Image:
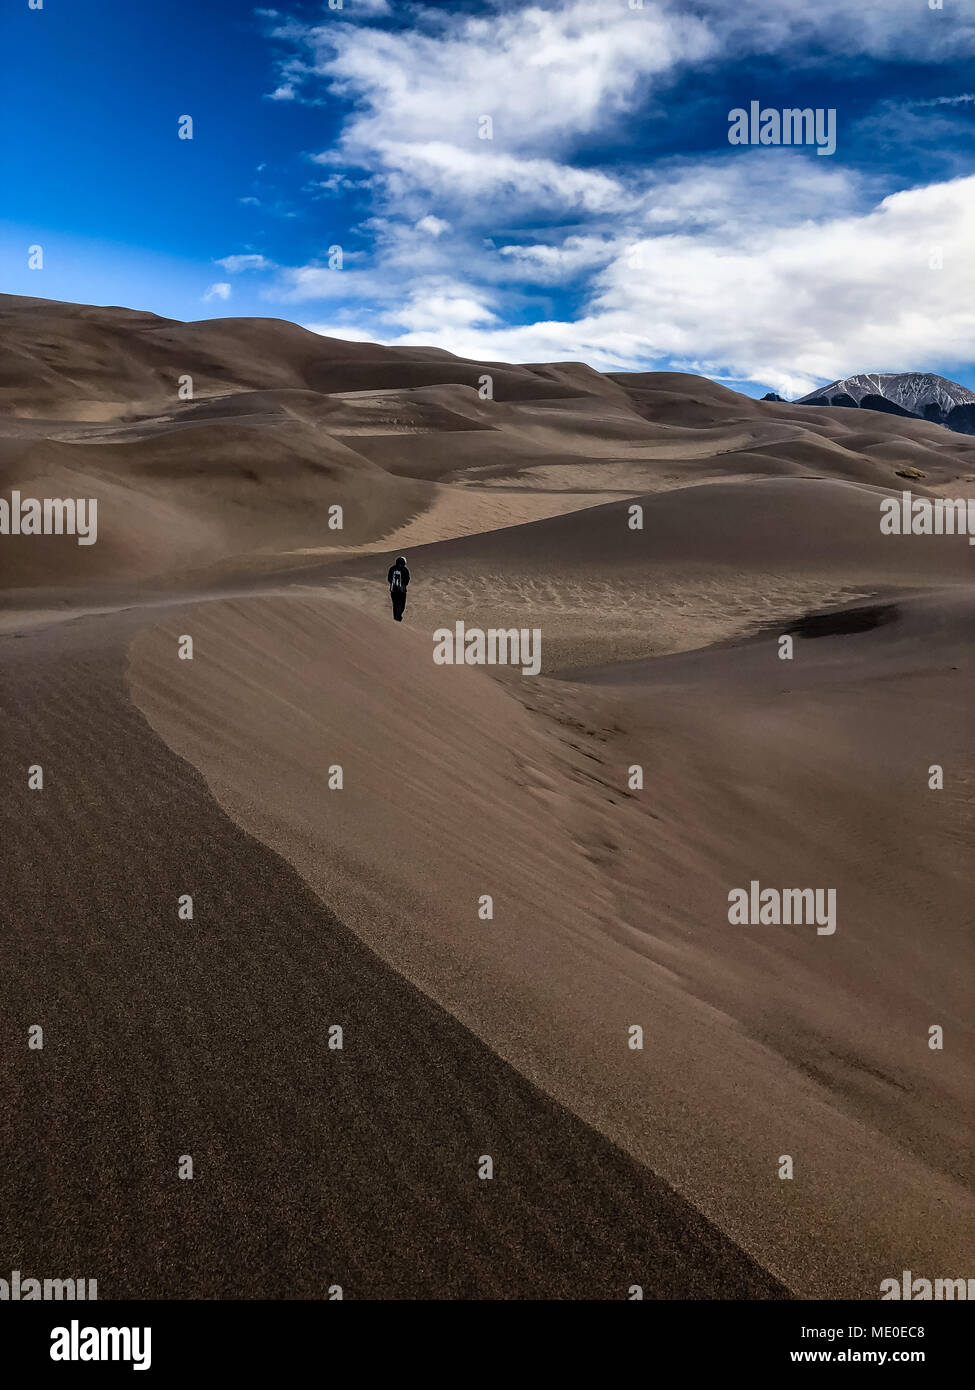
[{"x": 607, "y": 219}]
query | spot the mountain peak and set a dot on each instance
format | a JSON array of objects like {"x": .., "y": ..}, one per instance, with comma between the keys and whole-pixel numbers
[
  {"x": 923, "y": 394},
  {"x": 912, "y": 391}
]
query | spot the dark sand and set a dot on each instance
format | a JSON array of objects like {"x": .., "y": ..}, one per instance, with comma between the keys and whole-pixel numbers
[{"x": 312, "y": 1167}]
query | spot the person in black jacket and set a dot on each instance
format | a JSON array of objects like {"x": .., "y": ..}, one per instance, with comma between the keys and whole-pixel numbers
[{"x": 398, "y": 580}]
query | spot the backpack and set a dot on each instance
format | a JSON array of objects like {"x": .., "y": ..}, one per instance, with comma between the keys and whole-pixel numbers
[{"x": 396, "y": 583}]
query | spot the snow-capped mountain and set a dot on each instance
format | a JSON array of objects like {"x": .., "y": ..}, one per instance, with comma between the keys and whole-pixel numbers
[
  {"x": 913, "y": 391},
  {"x": 923, "y": 394}
]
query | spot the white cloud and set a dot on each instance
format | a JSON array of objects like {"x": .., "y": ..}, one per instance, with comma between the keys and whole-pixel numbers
[
  {"x": 547, "y": 263},
  {"x": 790, "y": 308},
  {"x": 431, "y": 310},
  {"x": 543, "y": 75},
  {"x": 295, "y": 284},
  {"x": 884, "y": 29},
  {"x": 551, "y": 70},
  {"x": 749, "y": 264},
  {"x": 435, "y": 226},
  {"x": 962, "y": 99},
  {"x": 460, "y": 177},
  {"x": 340, "y": 330},
  {"x": 221, "y": 290},
  {"x": 233, "y": 265}
]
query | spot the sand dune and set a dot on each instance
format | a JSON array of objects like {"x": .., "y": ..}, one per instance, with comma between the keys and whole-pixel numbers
[
  {"x": 468, "y": 1036},
  {"x": 312, "y": 1167},
  {"x": 610, "y": 907},
  {"x": 284, "y": 424},
  {"x": 711, "y": 561}
]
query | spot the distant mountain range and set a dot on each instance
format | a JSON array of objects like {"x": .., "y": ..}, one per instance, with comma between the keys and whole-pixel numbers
[{"x": 921, "y": 395}]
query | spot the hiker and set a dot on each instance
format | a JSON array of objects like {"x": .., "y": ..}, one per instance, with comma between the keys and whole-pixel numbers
[{"x": 398, "y": 578}]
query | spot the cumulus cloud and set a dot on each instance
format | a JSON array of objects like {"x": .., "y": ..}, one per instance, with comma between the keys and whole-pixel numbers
[
  {"x": 556, "y": 68},
  {"x": 806, "y": 302},
  {"x": 790, "y": 308},
  {"x": 542, "y": 75},
  {"x": 221, "y": 290},
  {"x": 435, "y": 226},
  {"x": 750, "y": 264},
  {"x": 445, "y": 306}
]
